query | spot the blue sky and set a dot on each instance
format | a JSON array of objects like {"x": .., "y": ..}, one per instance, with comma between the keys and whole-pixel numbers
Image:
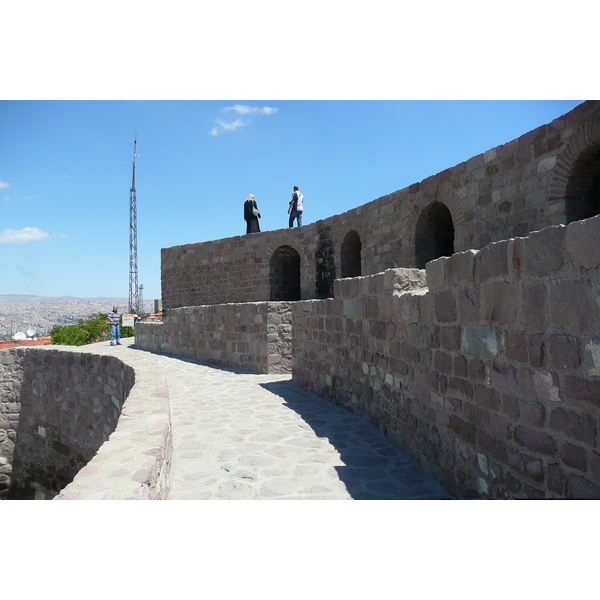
[
  {"x": 229, "y": 99},
  {"x": 66, "y": 166}
]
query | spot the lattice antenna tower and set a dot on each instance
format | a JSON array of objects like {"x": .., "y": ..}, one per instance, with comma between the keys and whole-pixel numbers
[{"x": 134, "y": 299}]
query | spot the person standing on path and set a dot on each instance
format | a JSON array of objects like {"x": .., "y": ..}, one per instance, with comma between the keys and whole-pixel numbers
[
  {"x": 113, "y": 322},
  {"x": 296, "y": 207},
  {"x": 251, "y": 215}
]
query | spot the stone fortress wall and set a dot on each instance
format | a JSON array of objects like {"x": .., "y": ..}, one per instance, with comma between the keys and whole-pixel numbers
[
  {"x": 460, "y": 314},
  {"x": 68, "y": 419}
]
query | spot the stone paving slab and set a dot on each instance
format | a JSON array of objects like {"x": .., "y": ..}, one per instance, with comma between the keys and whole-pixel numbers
[{"x": 240, "y": 435}]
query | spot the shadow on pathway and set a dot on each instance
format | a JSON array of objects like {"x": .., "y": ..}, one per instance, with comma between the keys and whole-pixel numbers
[{"x": 375, "y": 468}]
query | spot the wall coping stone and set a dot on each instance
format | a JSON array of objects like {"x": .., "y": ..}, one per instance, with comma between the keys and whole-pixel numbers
[{"x": 142, "y": 435}]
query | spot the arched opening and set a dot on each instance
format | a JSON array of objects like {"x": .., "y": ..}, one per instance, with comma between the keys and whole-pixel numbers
[
  {"x": 350, "y": 255},
  {"x": 582, "y": 198},
  {"x": 434, "y": 235},
  {"x": 284, "y": 274}
]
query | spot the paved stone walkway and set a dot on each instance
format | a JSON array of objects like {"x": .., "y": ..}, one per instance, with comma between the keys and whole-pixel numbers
[{"x": 238, "y": 435}]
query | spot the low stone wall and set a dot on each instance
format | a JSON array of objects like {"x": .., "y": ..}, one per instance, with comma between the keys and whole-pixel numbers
[
  {"x": 67, "y": 419},
  {"x": 487, "y": 371},
  {"x": 253, "y": 336}
]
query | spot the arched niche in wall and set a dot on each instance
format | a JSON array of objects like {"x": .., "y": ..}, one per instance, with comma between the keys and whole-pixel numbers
[
  {"x": 434, "y": 234},
  {"x": 350, "y": 255},
  {"x": 582, "y": 196},
  {"x": 284, "y": 274}
]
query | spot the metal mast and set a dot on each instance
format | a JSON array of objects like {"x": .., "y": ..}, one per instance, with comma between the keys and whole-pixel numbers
[{"x": 134, "y": 301}]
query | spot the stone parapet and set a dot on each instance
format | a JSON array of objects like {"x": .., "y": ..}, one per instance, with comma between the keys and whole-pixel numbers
[
  {"x": 69, "y": 418},
  {"x": 255, "y": 336},
  {"x": 490, "y": 377}
]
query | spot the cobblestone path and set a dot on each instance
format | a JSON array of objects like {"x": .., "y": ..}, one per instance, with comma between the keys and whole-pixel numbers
[{"x": 238, "y": 435}]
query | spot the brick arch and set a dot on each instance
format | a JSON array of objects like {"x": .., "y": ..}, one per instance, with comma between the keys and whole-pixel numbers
[
  {"x": 288, "y": 240},
  {"x": 441, "y": 194},
  {"x": 576, "y": 175}
]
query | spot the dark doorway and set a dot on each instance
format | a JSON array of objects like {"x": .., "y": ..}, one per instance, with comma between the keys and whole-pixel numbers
[
  {"x": 284, "y": 272},
  {"x": 582, "y": 198},
  {"x": 434, "y": 236},
  {"x": 350, "y": 255}
]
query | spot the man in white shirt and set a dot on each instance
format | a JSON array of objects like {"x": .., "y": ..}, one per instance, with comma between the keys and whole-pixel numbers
[{"x": 296, "y": 207}]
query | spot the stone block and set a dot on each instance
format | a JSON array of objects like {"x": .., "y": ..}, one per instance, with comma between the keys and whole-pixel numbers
[
  {"x": 492, "y": 261},
  {"x": 468, "y": 305},
  {"x": 494, "y": 448},
  {"x": 581, "y": 488},
  {"x": 355, "y": 308},
  {"x": 445, "y": 306},
  {"x": 337, "y": 288},
  {"x": 537, "y": 441},
  {"x": 582, "y": 240},
  {"x": 404, "y": 280},
  {"x": 546, "y": 164},
  {"x": 460, "y": 366},
  {"x": 543, "y": 251},
  {"x": 450, "y": 337},
  {"x": 436, "y": 274},
  {"x": 573, "y": 456},
  {"x": 515, "y": 346},
  {"x": 503, "y": 376},
  {"x": 542, "y": 385},
  {"x": 459, "y": 268},
  {"x": 579, "y": 427},
  {"x": 533, "y": 413},
  {"x": 482, "y": 341},
  {"x": 564, "y": 352},
  {"x": 466, "y": 431},
  {"x": 573, "y": 307},
  {"x": 500, "y": 302},
  {"x": 477, "y": 368},
  {"x": 533, "y": 311}
]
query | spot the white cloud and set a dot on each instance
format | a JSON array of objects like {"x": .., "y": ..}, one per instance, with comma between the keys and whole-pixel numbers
[
  {"x": 241, "y": 109},
  {"x": 3, "y": 184},
  {"x": 246, "y": 110},
  {"x": 224, "y": 126},
  {"x": 14, "y": 236}
]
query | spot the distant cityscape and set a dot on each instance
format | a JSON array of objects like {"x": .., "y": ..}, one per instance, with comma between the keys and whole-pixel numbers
[{"x": 18, "y": 313}]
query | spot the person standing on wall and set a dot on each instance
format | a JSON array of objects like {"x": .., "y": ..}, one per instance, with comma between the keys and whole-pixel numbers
[
  {"x": 251, "y": 215},
  {"x": 296, "y": 207},
  {"x": 113, "y": 321}
]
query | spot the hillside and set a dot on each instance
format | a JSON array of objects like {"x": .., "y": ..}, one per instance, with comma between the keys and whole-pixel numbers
[{"x": 18, "y": 312}]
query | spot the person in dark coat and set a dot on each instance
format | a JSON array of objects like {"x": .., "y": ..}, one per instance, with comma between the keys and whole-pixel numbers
[{"x": 251, "y": 215}]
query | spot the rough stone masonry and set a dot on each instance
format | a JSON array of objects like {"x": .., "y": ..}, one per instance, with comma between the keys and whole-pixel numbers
[{"x": 460, "y": 314}]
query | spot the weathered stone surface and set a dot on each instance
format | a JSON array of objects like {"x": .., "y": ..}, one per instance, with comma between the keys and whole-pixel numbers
[
  {"x": 499, "y": 303},
  {"x": 535, "y": 440},
  {"x": 482, "y": 341},
  {"x": 582, "y": 241},
  {"x": 573, "y": 307},
  {"x": 581, "y": 428},
  {"x": 436, "y": 275},
  {"x": 543, "y": 252}
]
